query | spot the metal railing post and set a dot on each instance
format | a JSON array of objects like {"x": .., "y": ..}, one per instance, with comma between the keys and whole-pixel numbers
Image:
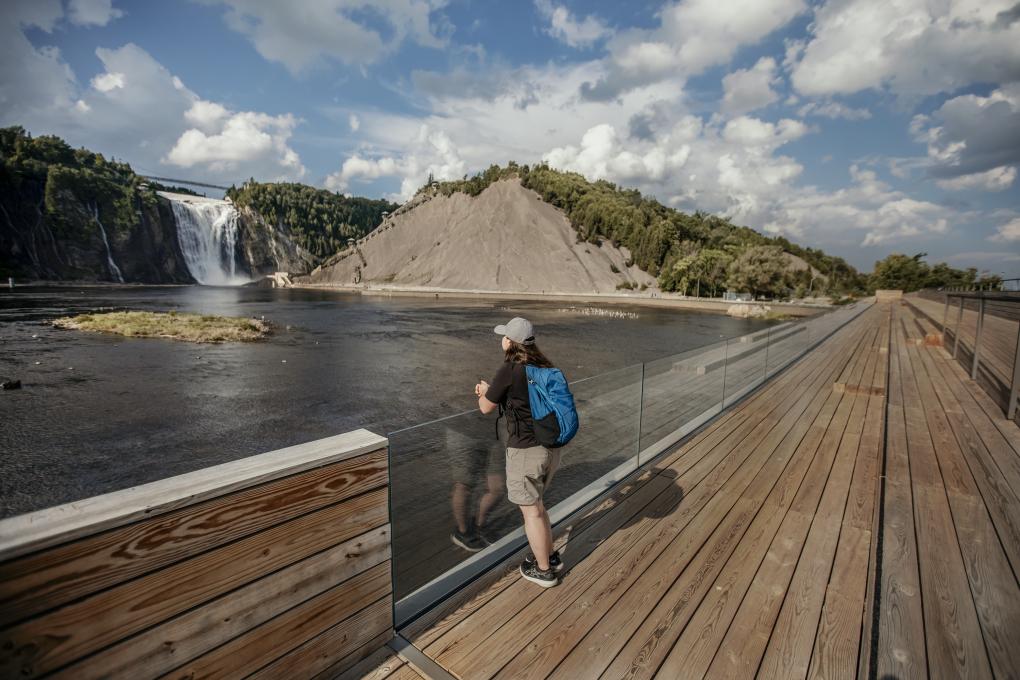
[
  {"x": 977, "y": 339},
  {"x": 945, "y": 317},
  {"x": 641, "y": 412},
  {"x": 956, "y": 331},
  {"x": 768, "y": 341},
  {"x": 1014, "y": 386},
  {"x": 725, "y": 366}
]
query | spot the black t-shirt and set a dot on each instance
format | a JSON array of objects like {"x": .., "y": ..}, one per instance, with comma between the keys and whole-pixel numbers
[{"x": 509, "y": 388}]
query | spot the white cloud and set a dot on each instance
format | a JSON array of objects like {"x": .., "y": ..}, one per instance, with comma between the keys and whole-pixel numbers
[
  {"x": 693, "y": 35},
  {"x": 911, "y": 47},
  {"x": 1009, "y": 232},
  {"x": 996, "y": 179},
  {"x": 105, "y": 82},
  {"x": 971, "y": 134},
  {"x": 429, "y": 152},
  {"x": 207, "y": 116},
  {"x": 305, "y": 34},
  {"x": 833, "y": 110},
  {"x": 354, "y": 122},
  {"x": 563, "y": 26},
  {"x": 135, "y": 109},
  {"x": 92, "y": 12},
  {"x": 31, "y": 79},
  {"x": 246, "y": 139},
  {"x": 748, "y": 89}
]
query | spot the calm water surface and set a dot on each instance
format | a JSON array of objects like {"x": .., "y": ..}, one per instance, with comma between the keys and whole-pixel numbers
[{"x": 98, "y": 413}]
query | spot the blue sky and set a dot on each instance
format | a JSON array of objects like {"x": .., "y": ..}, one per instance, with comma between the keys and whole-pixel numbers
[{"x": 859, "y": 126}]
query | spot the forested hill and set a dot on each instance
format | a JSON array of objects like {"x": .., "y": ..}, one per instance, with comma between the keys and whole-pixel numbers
[
  {"x": 319, "y": 220},
  {"x": 681, "y": 249}
]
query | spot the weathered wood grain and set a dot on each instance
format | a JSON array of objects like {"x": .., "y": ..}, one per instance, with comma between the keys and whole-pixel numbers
[
  {"x": 27, "y": 533},
  {"x": 47, "y": 579},
  {"x": 52, "y": 640}
]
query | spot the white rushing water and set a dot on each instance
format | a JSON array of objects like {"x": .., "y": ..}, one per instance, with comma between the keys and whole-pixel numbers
[
  {"x": 207, "y": 231},
  {"x": 114, "y": 269}
]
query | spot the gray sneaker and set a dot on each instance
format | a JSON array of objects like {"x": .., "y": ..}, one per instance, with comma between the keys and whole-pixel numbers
[
  {"x": 555, "y": 563},
  {"x": 546, "y": 579},
  {"x": 469, "y": 542}
]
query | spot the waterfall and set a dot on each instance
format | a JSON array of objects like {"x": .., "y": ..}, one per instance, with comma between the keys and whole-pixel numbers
[
  {"x": 207, "y": 231},
  {"x": 114, "y": 269}
]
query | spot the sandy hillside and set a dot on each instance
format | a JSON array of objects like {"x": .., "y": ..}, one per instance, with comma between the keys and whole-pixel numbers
[{"x": 506, "y": 238}]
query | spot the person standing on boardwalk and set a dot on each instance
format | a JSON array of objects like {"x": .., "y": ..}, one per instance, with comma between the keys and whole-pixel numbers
[{"x": 529, "y": 465}]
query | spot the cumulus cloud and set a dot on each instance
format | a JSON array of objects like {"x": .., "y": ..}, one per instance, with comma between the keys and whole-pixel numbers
[
  {"x": 92, "y": 12},
  {"x": 31, "y": 80},
  {"x": 996, "y": 179},
  {"x": 868, "y": 207},
  {"x": 833, "y": 110},
  {"x": 304, "y": 34},
  {"x": 971, "y": 135},
  {"x": 911, "y": 47},
  {"x": 1009, "y": 232},
  {"x": 430, "y": 152},
  {"x": 748, "y": 89},
  {"x": 563, "y": 26},
  {"x": 135, "y": 109},
  {"x": 244, "y": 140},
  {"x": 693, "y": 35}
]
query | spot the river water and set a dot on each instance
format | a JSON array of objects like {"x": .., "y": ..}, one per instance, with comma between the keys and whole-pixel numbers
[{"x": 98, "y": 413}]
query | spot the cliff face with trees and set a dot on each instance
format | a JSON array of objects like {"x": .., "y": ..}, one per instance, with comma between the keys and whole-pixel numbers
[
  {"x": 71, "y": 214},
  {"x": 319, "y": 221}
]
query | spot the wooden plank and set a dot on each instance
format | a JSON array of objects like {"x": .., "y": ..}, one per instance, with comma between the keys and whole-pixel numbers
[
  {"x": 332, "y": 645},
  {"x": 694, "y": 650},
  {"x": 748, "y": 636},
  {"x": 380, "y": 664},
  {"x": 47, "y": 579},
  {"x": 605, "y": 638},
  {"x": 197, "y": 631},
  {"x": 45, "y": 643},
  {"x": 27, "y": 533},
  {"x": 653, "y": 643},
  {"x": 952, "y": 631},
  {"x": 278, "y": 637}
]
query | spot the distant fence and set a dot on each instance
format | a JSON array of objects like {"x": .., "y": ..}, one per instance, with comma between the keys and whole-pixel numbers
[{"x": 274, "y": 566}]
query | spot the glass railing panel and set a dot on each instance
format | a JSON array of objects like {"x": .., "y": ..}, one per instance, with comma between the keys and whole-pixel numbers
[
  {"x": 449, "y": 508},
  {"x": 745, "y": 364},
  {"x": 680, "y": 391}
]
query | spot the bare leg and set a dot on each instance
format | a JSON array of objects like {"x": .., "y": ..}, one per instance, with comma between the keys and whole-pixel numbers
[
  {"x": 458, "y": 501},
  {"x": 491, "y": 497},
  {"x": 536, "y": 526}
]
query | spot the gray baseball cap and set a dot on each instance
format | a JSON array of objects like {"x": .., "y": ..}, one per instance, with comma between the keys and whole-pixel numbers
[{"x": 519, "y": 330}]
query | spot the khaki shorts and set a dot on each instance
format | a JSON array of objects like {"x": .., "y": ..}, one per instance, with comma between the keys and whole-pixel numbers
[{"x": 528, "y": 473}]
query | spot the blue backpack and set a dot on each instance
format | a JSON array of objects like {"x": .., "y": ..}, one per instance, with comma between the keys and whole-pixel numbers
[{"x": 552, "y": 406}]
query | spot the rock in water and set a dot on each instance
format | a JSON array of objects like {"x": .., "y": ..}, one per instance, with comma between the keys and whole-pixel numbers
[
  {"x": 746, "y": 310},
  {"x": 10, "y": 384}
]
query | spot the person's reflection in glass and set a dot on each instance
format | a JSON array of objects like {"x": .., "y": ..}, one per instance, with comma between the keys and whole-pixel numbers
[{"x": 472, "y": 468}]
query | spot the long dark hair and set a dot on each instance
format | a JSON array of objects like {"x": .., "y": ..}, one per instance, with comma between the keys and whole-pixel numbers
[{"x": 527, "y": 354}]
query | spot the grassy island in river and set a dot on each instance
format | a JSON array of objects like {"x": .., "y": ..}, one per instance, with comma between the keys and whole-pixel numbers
[{"x": 174, "y": 325}]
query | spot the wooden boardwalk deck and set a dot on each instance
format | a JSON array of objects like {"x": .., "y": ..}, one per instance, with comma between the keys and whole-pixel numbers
[{"x": 765, "y": 546}]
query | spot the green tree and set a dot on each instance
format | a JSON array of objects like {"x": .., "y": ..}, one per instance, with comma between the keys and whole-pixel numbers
[{"x": 761, "y": 270}]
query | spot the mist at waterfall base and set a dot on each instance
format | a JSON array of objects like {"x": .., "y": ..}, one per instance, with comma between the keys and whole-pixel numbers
[
  {"x": 207, "y": 232},
  {"x": 98, "y": 412}
]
